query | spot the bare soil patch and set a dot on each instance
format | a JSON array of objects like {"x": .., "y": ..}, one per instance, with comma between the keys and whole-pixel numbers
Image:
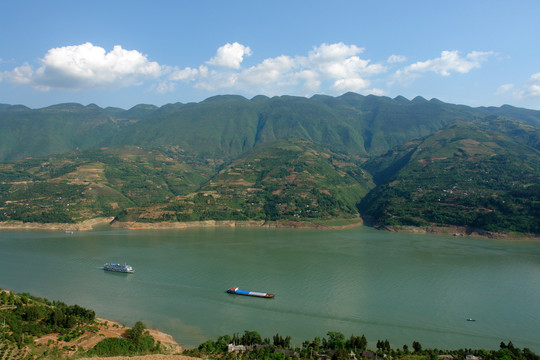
[{"x": 108, "y": 329}]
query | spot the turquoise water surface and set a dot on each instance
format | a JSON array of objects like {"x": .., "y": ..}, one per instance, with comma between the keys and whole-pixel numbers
[{"x": 400, "y": 287}]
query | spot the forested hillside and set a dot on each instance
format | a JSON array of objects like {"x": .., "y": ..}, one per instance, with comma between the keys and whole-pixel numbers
[
  {"x": 462, "y": 175},
  {"x": 82, "y": 185},
  {"x": 289, "y": 179},
  {"x": 227, "y": 126},
  {"x": 284, "y": 159}
]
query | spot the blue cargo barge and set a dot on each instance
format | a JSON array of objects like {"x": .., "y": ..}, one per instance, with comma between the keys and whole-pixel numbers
[{"x": 236, "y": 291}]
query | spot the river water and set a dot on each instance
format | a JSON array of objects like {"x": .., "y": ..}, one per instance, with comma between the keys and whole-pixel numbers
[{"x": 395, "y": 286}]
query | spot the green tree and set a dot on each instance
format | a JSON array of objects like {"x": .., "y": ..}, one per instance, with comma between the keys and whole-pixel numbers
[
  {"x": 56, "y": 317},
  {"x": 387, "y": 347},
  {"x": 405, "y": 349},
  {"x": 281, "y": 342},
  {"x": 31, "y": 313},
  {"x": 336, "y": 340},
  {"x": 357, "y": 342},
  {"x": 251, "y": 338},
  {"x": 136, "y": 333},
  {"x": 340, "y": 354}
]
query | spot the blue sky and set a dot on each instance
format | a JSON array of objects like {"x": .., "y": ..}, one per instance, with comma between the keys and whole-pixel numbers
[{"x": 123, "y": 53}]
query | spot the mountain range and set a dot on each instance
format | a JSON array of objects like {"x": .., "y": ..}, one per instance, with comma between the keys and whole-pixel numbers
[{"x": 395, "y": 161}]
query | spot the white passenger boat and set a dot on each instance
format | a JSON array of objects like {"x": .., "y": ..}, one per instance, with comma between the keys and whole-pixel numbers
[{"x": 124, "y": 268}]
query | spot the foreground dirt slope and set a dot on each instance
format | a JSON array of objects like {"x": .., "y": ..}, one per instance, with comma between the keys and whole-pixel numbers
[{"x": 108, "y": 328}]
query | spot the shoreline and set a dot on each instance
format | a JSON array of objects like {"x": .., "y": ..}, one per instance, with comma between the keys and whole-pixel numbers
[
  {"x": 133, "y": 225},
  {"x": 454, "y": 230},
  {"x": 110, "y": 222},
  {"x": 91, "y": 224},
  {"x": 86, "y": 225}
]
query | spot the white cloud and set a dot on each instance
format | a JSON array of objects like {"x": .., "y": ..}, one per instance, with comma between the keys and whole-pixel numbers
[
  {"x": 230, "y": 56},
  {"x": 188, "y": 74},
  {"x": 337, "y": 66},
  {"x": 87, "y": 66},
  {"x": 393, "y": 59},
  {"x": 185, "y": 74},
  {"x": 327, "y": 68},
  {"x": 333, "y": 52},
  {"x": 311, "y": 80},
  {"x": 350, "y": 84},
  {"x": 532, "y": 89},
  {"x": 375, "y": 91},
  {"x": 342, "y": 65},
  {"x": 344, "y": 68},
  {"x": 164, "y": 87},
  {"x": 20, "y": 75},
  {"x": 218, "y": 80},
  {"x": 503, "y": 89},
  {"x": 270, "y": 70},
  {"x": 449, "y": 62}
]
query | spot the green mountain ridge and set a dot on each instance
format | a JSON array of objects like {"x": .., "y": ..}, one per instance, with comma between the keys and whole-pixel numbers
[
  {"x": 226, "y": 126},
  {"x": 397, "y": 161}
]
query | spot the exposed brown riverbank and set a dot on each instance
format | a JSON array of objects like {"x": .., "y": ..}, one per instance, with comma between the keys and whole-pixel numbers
[
  {"x": 90, "y": 224},
  {"x": 86, "y": 225},
  {"x": 234, "y": 224},
  {"x": 460, "y": 231},
  {"x": 133, "y": 225}
]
